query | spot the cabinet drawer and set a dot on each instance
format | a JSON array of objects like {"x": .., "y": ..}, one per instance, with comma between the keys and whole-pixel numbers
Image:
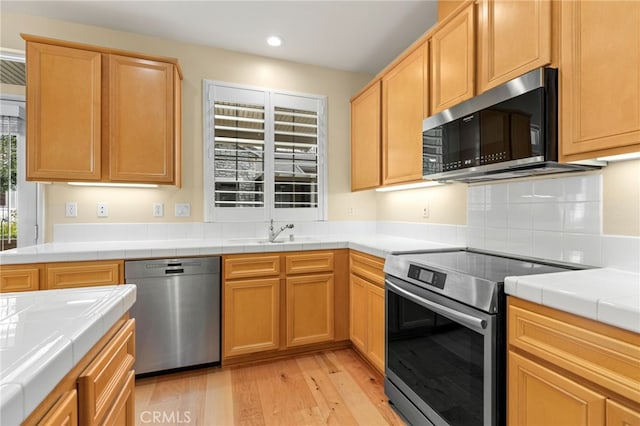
[
  {"x": 64, "y": 412},
  {"x": 123, "y": 412},
  {"x": 100, "y": 384},
  {"x": 367, "y": 267},
  {"x": 251, "y": 266},
  {"x": 83, "y": 274},
  {"x": 303, "y": 263},
  {"x": 605, "y": 355},
  {"x": 20, "y": 277}
]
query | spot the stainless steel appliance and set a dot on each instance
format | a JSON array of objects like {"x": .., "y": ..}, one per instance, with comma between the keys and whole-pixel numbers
[
  {"x": 177, "y": 312},
  {"x": 445, "y": 334},
  {"x": 508, "y": 131}
]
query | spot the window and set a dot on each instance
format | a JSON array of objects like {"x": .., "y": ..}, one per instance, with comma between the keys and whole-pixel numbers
[{"x": 265, "y": 153}]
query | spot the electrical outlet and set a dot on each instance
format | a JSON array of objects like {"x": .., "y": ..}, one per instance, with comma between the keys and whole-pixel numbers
[
  {"x": 102, "y": 210},
  {"x": 425, "y": 211},
  {"x": 350, "y": 211},
  {"x": 158, "y": 209},
  {"x": 71, "y": 209},
  {"x": 182, "y": 209}
]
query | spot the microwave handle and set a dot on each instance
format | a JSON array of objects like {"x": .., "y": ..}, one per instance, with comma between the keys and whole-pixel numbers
[{"x": 464, "y": 319}]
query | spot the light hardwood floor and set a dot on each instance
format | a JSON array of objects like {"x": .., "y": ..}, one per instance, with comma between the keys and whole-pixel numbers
[{"x": 328, "y": 388}]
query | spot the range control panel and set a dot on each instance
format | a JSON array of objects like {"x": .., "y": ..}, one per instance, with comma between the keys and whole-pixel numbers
[{"x": 427, "y": 276}]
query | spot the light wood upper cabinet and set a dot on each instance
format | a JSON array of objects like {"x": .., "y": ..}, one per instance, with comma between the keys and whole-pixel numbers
[
  {"x": 404, "y": 88},
  {"x": 63, "y": 113},
  {"x": 101, "y": 115},
  {"x": 139, "y": 118},
  {"x": 599, "y": 78},
  {"x": 514, "y": 37},
  {"x": 366, "y": 138},
  {"x": 453, "y": 61}
]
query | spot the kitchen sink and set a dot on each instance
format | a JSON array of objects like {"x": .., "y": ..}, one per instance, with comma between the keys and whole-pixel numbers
[{"x": 262, "y": 240}]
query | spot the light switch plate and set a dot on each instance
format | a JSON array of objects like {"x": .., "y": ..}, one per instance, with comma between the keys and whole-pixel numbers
[{"x": 182, "y": 209}]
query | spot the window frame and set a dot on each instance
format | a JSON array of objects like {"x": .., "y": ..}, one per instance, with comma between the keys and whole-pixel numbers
[{"x": 269, "y": 211}]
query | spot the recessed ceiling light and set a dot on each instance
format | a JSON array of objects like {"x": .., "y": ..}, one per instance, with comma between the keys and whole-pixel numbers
[{"x": 274, "y": 41}]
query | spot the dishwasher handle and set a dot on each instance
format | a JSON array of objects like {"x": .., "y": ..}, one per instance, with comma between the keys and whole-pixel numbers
[{"x": 174, "y": 271}]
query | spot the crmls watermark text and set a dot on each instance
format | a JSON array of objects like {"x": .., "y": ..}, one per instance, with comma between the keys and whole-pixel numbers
[{"x": 160, "y": 417}]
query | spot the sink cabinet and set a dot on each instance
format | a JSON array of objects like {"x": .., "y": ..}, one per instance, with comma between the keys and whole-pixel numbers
[
  {"x": 283, "y": 303},
  {"x": 581, "y": 371},
  {"x": 101, "y": 115}
]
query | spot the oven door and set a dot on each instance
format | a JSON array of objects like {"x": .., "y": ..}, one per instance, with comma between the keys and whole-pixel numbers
[{"x": 440, "y": 358}]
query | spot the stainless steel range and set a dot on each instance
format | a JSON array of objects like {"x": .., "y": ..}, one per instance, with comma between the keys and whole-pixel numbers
[{"x": 445, "y": 334}]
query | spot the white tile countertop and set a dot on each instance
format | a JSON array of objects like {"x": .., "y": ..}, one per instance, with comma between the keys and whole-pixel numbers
[
  {"x": 607, "y": 295},
  {"x": 43, "y": 334},
  {"x": 376, "y": 245}
]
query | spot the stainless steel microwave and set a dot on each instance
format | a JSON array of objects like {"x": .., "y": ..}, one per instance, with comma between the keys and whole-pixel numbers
[{"x": 508, "y": 131}]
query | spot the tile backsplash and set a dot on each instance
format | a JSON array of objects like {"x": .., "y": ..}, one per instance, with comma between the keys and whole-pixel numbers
[{"x": 556, "y": 218}]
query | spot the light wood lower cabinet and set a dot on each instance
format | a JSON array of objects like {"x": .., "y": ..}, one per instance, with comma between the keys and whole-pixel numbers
[
  {"x": 49, "y": 276},
  {"x": 83, "y": 274},
  {"x": 292, "y": 302},
  {"x": 251, "y": 316},
  {"x": 565, "y": 402},
  {"x": 366, "y": 284},
  {"x": 309, "y": 309},
  {"x": 581, "y": 371},
  {"x": 64, "y": 412},
  {"x": 21, "y": 277},
  {"x": 99, "y": 390}
]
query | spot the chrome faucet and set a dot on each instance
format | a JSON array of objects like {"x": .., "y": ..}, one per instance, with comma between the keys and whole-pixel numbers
[{"x": 274, "y": 234}]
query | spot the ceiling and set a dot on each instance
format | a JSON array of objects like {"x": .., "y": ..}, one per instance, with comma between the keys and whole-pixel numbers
[{"x": 361, "y": 36}]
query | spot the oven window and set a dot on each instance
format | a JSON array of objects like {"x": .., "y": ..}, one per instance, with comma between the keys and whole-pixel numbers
[{"x": 438, "y": 359}]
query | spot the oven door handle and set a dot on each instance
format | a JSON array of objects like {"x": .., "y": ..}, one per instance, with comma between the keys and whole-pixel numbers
[{"x": 464, "y": 319}]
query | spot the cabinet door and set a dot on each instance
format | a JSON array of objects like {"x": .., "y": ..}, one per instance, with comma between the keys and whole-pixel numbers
[
  {"x": 618, "y": 415},
  {"x": 20, "y": 277},
  {"x": 599, "y": 78},
  {"x": 309, "y": 309},
  {"x": 539, "y": 396},
  {"x": 403, "y": 92},
  {"x": 358, "y": 312},
  {"x": 375, "y": 325},
  {"x": 139, "y": 120},
  {"x": 63, "y": 113},
  {"x": 514, "y": 37},
  {"x": 366, "y": 163},
  {"x": 64, "y": 412},
  {"x": 251, "y": 316},
  {"x": 452, "y": 61},
  {"x": 83, "y": 274}
]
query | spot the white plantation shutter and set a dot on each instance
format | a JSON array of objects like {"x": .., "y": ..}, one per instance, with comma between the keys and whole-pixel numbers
[{"x": 265, "y": 154}]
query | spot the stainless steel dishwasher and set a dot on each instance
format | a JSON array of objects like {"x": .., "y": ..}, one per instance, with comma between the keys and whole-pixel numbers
[{"x": 177, "y": 312}]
